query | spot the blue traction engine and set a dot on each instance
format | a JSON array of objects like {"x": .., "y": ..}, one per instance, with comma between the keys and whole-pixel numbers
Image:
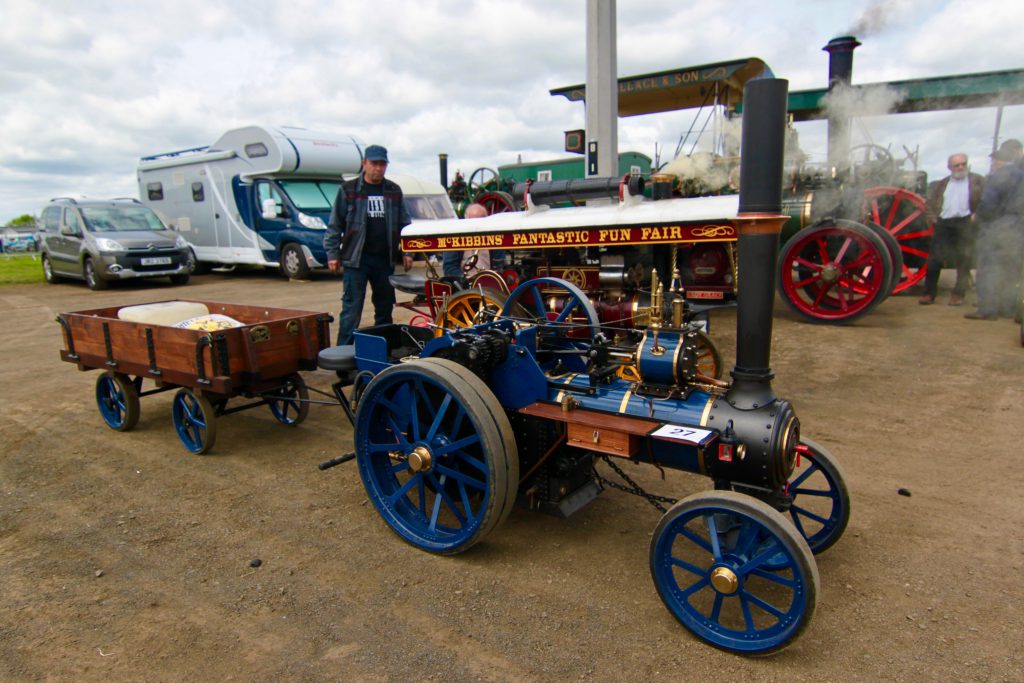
[{"x": 451, "y": 431}]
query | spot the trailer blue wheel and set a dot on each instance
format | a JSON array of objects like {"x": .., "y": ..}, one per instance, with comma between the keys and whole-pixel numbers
[
  {"x": 195, "y": 421},
  {"x": 707, "y": 560},
  {"x": 436, "y": 454},
  {"x": 821, "y": 501},
  {"x": 118, "y": 400},
  {"x": 289, "y": 402}
]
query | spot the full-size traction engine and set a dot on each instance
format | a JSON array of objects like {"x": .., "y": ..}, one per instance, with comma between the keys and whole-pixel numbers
[{"x": 452, "y": 430}]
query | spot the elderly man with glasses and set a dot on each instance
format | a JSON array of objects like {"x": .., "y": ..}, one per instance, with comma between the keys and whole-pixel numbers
[{"x": 952, "y": 206}]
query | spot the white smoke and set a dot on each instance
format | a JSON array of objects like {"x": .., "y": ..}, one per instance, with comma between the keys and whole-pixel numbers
[
  {"x": 712, "y": 172},
  {"x": 849, "y": 102},
  {"x": 700, "y": 173}
]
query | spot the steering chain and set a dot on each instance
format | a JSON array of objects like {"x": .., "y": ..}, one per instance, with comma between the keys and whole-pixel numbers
[{"x": 633, "y": 487}]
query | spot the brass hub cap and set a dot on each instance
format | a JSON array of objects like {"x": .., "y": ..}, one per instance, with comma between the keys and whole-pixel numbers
[
  {"x": 420, "y": 459},
  {"x": 724, "y": 580},
  {"x": 830, "y": 274}
]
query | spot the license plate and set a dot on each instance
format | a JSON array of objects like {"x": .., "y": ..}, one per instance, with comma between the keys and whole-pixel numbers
[{"x": 156, "y": 261}]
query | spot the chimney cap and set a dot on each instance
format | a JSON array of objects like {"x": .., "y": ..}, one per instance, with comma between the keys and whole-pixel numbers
[{"x": 840, "y": 43}]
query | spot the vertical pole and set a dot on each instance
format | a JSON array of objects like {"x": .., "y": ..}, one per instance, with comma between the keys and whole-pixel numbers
[
  {"x": 999, "y": 124},
  {"x": 602, "y": 93}
]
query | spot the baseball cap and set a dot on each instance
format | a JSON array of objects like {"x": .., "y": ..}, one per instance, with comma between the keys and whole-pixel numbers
[
  {"x": 1010, "y": 150},
  {"x": 375, "y": 153}
]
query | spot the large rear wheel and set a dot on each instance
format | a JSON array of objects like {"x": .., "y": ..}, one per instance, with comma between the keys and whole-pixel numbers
[
  {"x": 436, "y": 454},
  {"x": 902, "y": 213}
]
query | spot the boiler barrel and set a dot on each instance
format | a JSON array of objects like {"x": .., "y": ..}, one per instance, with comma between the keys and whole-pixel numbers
[{"x": 579, "y": 190}]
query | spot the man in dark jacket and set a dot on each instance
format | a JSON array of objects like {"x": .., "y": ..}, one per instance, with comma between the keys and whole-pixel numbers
[
  {"x": 1001, "y": 238},
  {"x": 363, "y": 238},
  {"x": 952, "y": 204}
]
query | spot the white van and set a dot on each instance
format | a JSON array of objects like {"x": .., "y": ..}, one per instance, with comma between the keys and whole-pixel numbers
[{"x": 263, "y": 195}]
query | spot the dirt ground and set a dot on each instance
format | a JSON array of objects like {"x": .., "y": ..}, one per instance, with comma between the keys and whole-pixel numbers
[{"x": 125, "y": 558}]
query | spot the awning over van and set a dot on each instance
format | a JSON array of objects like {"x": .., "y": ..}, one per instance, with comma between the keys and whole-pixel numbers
[{"x": 680, "y": 88}]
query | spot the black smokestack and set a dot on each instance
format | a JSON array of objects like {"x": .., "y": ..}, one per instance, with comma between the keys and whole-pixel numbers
[
  {"x": 443, "y": 161},
  {"x": 759, "y": 222},
  {"x": 840, "y": 73}
]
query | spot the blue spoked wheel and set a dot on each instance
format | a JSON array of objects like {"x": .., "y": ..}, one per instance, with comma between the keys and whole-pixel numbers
[
  {"x": 436, "y": 453},
  {"x": 707, "y": 557},
  {"x": 821, "y": 501},
  {"x": 118, "y": 400},
  {"x": 563, "y": 314},
  {"x": 195, "y": 421},
  {"x": 289, "y": 402}
]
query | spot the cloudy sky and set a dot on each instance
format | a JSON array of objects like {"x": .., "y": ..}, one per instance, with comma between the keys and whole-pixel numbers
[{"x": 86, "y": 88}]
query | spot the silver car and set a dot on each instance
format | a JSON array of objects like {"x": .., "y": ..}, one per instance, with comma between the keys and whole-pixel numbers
[{"x": 100, "y": 241}]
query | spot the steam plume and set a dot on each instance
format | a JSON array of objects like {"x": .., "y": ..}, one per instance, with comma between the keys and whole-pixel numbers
[{"x": 845, "y": 102}]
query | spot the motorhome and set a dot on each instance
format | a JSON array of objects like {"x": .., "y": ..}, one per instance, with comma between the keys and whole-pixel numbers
[{"x": 262, "y": 195}]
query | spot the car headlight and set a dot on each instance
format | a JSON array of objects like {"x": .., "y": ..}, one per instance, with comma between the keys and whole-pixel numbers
[
  {"x": 311, "y": 222},
  {"x": 180, "y": 242},
  {"x": 107, "y": 244}
]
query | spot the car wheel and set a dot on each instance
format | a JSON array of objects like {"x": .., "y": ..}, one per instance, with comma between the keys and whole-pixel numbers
[
  {"x": 180, "y": 279},
  {"x": 92, "y": 279},
  {"x": 48, "y": 273},
  {"x": 293, "y": 262}
]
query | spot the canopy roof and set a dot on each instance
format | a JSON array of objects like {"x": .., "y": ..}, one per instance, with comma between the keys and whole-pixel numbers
[
  {"x": 638, "y": 221},
  {"x": 696, "y": 86},
  {"x": 940, "y": 93},
  {"x": 680, "y": 88}
]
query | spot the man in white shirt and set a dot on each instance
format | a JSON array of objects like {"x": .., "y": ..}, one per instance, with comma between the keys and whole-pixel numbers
[{"x": 952, "y": 204}]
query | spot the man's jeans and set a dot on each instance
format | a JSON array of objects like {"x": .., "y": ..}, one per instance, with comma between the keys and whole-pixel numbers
[
  {"x": 375, "y": 271},
  {"x": 952, "y": 245},
  {"x": 451, "y": 264}
]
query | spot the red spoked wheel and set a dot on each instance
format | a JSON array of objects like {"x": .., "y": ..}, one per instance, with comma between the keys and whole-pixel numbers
[
  {"x": 834, "y": 272},
  {"x": 496, "y": 202},
  {"x": 902, "y": 214},
  {"x": 421, "y": 320},
  {"x": 512, "y": 278}
]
